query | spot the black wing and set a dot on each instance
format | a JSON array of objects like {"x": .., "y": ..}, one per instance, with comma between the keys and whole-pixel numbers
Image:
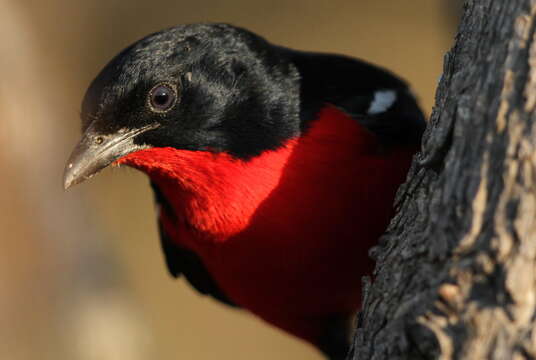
[
  {"x": 181, "y": 261},
  {"x": 375, "y": 97}
]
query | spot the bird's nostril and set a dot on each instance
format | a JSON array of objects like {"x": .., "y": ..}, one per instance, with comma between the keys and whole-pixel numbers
[{"x": 99, "y": 140}]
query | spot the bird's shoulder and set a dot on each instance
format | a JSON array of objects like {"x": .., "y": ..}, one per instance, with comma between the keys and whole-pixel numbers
[{"x": 379, "y": 100}]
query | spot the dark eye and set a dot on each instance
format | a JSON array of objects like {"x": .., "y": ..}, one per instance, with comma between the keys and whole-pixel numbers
[{"x": 162, "y": 97}]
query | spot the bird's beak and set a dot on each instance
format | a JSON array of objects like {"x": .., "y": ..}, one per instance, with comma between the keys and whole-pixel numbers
[{"x": 95, "y": 151}]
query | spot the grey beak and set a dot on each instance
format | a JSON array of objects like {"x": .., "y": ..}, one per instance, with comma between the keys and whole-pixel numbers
[{"x": 94, "y": 152}]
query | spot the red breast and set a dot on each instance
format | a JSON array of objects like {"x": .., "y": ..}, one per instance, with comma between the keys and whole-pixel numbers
[{"x": 285, "y": 234}]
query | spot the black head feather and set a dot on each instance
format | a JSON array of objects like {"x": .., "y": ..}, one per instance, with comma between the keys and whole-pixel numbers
[{"x": 236, "y": 92}]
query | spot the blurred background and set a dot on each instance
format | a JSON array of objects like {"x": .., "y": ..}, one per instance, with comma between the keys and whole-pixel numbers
[{"x": 81, "y": 272}]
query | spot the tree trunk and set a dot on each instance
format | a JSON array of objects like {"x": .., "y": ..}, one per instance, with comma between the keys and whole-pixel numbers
[{"x": 455, "y": 275}]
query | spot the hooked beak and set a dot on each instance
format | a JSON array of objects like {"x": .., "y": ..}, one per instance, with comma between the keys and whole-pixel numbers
[{"x": 95, "y": 151}]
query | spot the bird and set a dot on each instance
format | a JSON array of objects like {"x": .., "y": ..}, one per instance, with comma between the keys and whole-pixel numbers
[{"x": 274, "y": 170}]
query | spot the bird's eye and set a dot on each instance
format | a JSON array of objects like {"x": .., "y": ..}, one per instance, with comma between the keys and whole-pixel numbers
[{"x": 162, "y": 97}]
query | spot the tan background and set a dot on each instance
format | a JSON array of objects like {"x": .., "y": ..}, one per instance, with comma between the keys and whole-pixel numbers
[{"x": 81, "y": 273}]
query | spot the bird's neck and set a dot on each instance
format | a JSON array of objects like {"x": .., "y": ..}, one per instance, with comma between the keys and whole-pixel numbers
[
  {"x": 214, "y": 193},
  {"x": 218, "y": 195}
]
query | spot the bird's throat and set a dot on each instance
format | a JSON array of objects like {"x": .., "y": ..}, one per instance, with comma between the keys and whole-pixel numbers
[{"x": 214, "y": 193}]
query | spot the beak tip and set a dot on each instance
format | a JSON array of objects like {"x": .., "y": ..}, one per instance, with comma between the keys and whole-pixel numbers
[
  {"x": 74, "y": 176},
  {"x": 66, "y": 185},
  {"x": 68, "y": 177}
]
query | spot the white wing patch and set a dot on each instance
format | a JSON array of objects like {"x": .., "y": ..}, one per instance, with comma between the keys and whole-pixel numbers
[{"x": 383, "y": 100}]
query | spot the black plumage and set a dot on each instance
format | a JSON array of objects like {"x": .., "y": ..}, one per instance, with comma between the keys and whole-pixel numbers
[{"x": 284, "y": 89}]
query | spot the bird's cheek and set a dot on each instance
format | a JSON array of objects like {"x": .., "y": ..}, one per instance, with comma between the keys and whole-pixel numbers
[
  {"x": 156, "y": 161},
  {"x": 144, "y": 159}
]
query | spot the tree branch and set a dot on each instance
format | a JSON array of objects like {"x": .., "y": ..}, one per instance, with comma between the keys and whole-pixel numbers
[{"x": 455, "y": 275}]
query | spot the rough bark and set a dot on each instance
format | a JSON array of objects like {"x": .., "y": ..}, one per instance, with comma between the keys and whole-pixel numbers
[{"x": 455, "y": 275}]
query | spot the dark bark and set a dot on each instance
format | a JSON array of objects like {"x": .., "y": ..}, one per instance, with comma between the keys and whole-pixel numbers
[{"x": 455, "y": 275}]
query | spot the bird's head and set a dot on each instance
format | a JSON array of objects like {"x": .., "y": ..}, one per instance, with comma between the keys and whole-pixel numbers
[{"x": 202, "y": 87}]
